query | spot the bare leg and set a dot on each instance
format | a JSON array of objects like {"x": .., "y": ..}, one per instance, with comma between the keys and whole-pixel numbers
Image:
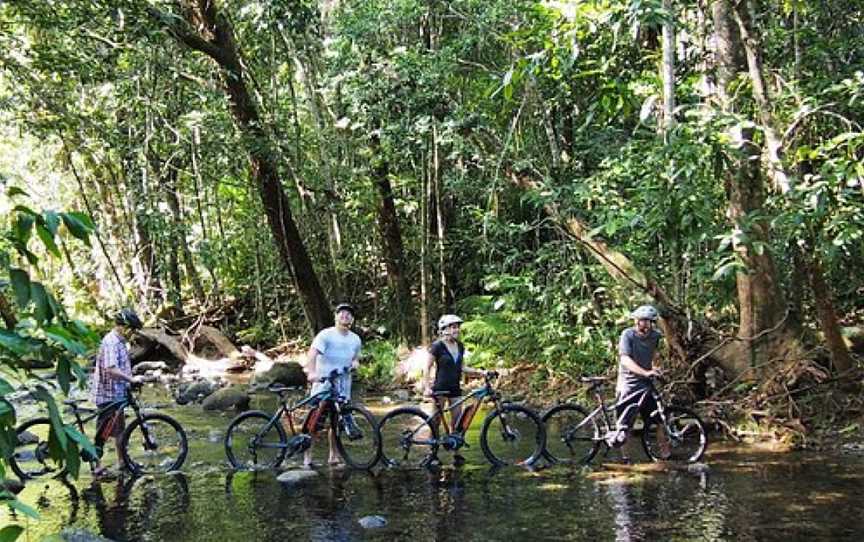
[{"x": 334, "y": 454}]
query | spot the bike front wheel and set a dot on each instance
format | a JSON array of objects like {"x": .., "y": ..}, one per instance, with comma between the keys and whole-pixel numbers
[
  {"x": 253, "y": 443},
  {"x": 408, "y": 440},
  {"x": 357, "y": 437},
  {"x": 571, "y": 436},
  {"x": 512, "y": 435},
  {"x": 682, "y": 438},
  {"x": 154, "y": 443},
  {"x": 31, "y": 458}
]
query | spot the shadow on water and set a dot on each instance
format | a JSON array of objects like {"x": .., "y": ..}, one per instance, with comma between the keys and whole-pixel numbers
[{"x": 740, "y": 495}]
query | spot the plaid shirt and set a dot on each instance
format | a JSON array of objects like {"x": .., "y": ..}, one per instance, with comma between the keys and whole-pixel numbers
[{"x": 113, "y": 352}]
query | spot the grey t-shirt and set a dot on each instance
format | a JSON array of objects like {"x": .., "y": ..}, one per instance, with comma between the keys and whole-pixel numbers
[
  {"x": 337, "y": 351},
  {"x": 641, "y": 350}
]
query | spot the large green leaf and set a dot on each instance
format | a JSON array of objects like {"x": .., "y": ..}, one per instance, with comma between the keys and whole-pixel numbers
[
  {"x": 5, "y": 387},
  {"x": 82, "y": 441},
  {"x": 78, "y": 225},
  {"x": 48, "y": 240},
  {"x": 52, "y": 221},
  {"x": 24, "y": 509},
  {"x": 58, "y": 433},
  {"x": 23, "y": 227},
  {"x": 64, "y": 375},
  {"x": 21, "y": 286},
  {"x": 10, "y": 533},
  {"x": 42, "y": 311},
  {"x": 63, "y": 336},
  {"x": 15, "y": 343}
]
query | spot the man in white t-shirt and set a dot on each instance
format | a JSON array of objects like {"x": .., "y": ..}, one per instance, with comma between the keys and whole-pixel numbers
[{"x": 338, "y": 348}]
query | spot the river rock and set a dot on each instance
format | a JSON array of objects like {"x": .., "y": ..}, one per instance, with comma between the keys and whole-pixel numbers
[
  {"x": 195, "y": 391},
  {"x": 288, "y": 374},
  {"x": 144, "y": 366},
  {"x": 226, "y": 398},
  {"x": 70, "y": 534},
  {"x": 372, "y": 522},
  {"x": 296, "y": 476}
]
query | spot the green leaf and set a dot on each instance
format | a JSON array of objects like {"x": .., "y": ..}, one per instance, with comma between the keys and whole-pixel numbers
[
  {"x": 52, "y": 221},
  {"x": 13, "y": 191},
  {"x": 58, "y": 433},
  {"x": 64, "y": 374},
  {"x": 62, "y": 335},
  {"x": 47, "y": 240},
  {"x": 73, "y": 460},
  {"x": 21, "y": 286},
  {"x": 23, "y": 227},
  {"x": 14, "y": 343},
  {"x": 10, "y": 533},
  {"x": 24, "y": 509},
  {"x": 39, "y": 296},
  {"x": 5, "y": 387},
  {"x": 82, "y": 441},
  {"x": 77, "y": 226}
]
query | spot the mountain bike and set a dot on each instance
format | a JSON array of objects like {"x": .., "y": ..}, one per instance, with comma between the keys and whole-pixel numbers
[
  {"x": 151, "y": 443},
  {"x": 575, "y": 436},
  {"x": 256, "y": 440},
  {"x": 511, "y": 434}
]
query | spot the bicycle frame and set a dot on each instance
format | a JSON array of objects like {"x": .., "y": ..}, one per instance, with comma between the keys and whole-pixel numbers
[
  {"x": 478, "y": 395},
  {"x": 606, "y": 410},
  {"x": 329, "y": 395}
]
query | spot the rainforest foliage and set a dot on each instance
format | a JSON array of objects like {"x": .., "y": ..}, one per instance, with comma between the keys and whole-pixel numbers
[{"x": 539, "y": 168}]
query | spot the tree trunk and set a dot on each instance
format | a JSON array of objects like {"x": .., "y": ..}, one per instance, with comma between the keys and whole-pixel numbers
[
  {"x": 765, "y": 330},
  {"x": 394, "y": 254},
  {"x": 826, "y": 314},
  {"x": 214, "y": 36},
  {"x": 668, "y": 71}
]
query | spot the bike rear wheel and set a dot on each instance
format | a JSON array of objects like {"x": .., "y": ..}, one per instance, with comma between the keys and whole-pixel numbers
[
  {"x": 30, "y": 458},
  {"x": 408, "y": 440},
  {"x": 249, "y": 447},
  {"x": 154, "y": 443},
  {"x": 357, "y": 437},
  {"x": 513, "y": 435},
  {"x": 683, "y": 437},
  {"x": 571, "y": 437}
]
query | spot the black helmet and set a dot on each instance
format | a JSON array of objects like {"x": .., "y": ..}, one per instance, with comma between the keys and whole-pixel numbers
[
  {"x": 346, "y": 307},
  {"x": 127, "y": 317}
]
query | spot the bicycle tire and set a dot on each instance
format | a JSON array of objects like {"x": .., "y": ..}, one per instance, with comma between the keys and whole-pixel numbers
[
  {"x": 408, "y": 440},
  {"x": 154, "y": 443},
  {"x": 521, "y": 440},
  {"x": 360, "y": 445},
  {"x": 570, "y": 439},
  {"x": 688, "y": 437},
  {"x": 30, "y": 458},
  {"x": 244, "y": 453}
]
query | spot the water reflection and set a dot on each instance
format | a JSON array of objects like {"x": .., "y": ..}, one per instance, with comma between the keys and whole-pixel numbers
[{"x": 742, "y": 495}]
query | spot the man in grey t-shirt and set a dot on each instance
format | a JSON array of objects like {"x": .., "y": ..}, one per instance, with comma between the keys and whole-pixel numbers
[
  {"x": 637, "y": 350},
  {"x": 334, "y": 348}
]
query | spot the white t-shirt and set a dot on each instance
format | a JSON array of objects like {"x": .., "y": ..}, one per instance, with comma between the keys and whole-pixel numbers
[{"x": 336, "y": 351}]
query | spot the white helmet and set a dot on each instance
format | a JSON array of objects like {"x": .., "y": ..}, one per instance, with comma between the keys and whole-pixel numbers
[
  {"x": 645, "y": 312},
  {"x": 448, "y": 319}
]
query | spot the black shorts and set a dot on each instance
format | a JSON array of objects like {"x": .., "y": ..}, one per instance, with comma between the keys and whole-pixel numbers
[
  {"x": 110, "y": 423},
  {"x": 449, "y": 393},
  {"x": 649, "y": 407}
]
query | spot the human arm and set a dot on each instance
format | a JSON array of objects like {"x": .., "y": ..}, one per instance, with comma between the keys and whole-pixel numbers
[
  {"x": 427, "y": 374},
  {"x": 311, "y": 364},
  {"x": 630, "y": 364}
]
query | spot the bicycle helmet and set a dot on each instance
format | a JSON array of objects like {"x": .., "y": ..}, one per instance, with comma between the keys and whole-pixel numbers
[
  {"x": 645, "y": 312},
  {"x": 127, "y": 317},
  {"x": 447, "y": 320},
  {"x": 345, "y": 307}
]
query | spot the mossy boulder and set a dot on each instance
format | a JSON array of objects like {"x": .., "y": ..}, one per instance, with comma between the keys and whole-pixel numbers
[{"x": 288, "y": 374}]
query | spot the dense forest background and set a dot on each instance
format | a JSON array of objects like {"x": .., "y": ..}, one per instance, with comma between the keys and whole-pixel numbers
[{"x": 540, "y": 168}]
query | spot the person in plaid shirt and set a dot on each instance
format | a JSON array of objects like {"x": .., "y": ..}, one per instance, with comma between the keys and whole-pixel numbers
[{"x": 112, "y": 375}]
